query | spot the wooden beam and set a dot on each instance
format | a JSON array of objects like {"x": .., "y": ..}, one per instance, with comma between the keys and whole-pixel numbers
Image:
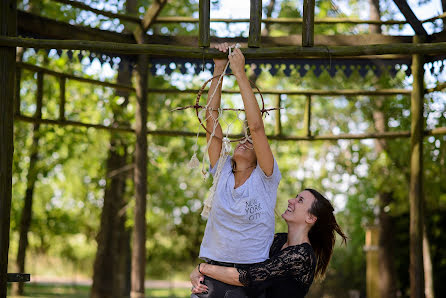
[
  {"x": 204, "y": 23},
  {"x": 120, "y": 16},
  {"x": 35, "y": 68},
  {"x": 439, "y": 87},
  {"x": 338, "y": 92},
  {"x": 43, "y": 27},
  {"x": 208, "y": 53},
  {"x": 148, "y": 20},
  {"x": 416, "y": 178},
  {"x": 176, "y": 133},
  {"x": 283, "y": 21},
  {"x": 405, "y": 9},
  {"x": 290, "y": 40},
  {"x": 8, "y": 27},
  {"x": 308, "y": 24},
  {"x": 255, "y": 18},
  {"x": 152, "y": 13}
]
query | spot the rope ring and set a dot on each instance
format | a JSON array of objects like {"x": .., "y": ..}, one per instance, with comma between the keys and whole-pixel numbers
[{"x": 197, "y": 105}]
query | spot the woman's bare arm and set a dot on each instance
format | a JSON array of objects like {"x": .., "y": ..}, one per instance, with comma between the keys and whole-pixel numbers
[
  {"x": 212, "y": 116},
  {"x": 261, "y": 146}
]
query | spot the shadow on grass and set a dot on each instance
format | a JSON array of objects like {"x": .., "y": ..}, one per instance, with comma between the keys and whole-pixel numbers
[{"x": 76, "y": 291}]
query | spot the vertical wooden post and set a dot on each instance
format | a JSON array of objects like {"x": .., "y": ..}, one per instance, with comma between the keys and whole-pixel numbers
[
  {"x": 62, "y": 83},
  {"x": 204, "y": 22},
  {"x": 278, "y": 124},
  {"x": 255, "y": 24},
  {"x": 307, "y": 116},
  {"x": 8, "y": 27},
  {"x": 18, "y": 79},
  {"x": 308, "y": 24},
  {"x": 140, "y": 180},
  {"x": 416, "y": 177},
  {"x": 372, "y": 262}
]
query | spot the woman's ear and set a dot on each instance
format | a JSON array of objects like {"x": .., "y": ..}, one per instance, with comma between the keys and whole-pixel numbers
[{"x": 311, "y": 219}]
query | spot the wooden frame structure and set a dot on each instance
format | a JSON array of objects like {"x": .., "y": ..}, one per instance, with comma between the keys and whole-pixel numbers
[{"x": 138, "y": 44}]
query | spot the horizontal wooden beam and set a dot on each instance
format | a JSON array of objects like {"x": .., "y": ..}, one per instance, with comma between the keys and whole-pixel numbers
[
  {"x": 439, "y": 87},
  {"x": 289, "y": 40},
  {"x": 172, "y": 133},
  {"x": 208, "y": 53},
  {"x": 28, "y": 23},
  {"x": 294, "y": 21},
  {"x": 338, "y": 92},
  {"x": 283, "y": 21},
  {"x": 36, "y": 68}
]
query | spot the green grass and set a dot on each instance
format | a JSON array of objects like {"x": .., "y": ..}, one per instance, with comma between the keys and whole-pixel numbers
[{"x": 49, "y": 291}]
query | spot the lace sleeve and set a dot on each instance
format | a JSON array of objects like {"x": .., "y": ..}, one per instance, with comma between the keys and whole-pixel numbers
[{"x": 294, "y": 261}]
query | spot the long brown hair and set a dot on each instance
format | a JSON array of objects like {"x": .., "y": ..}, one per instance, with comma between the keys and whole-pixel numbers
[{"x": 322, "y": 234}]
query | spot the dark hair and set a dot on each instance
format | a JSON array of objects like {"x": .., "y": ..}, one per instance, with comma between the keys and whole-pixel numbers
[{"x": 322, "y": 234}]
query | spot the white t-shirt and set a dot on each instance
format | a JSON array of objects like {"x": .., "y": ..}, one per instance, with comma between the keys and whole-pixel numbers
[{"x": 240, "y": 227}]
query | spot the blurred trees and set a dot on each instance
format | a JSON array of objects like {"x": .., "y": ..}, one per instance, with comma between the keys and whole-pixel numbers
[{"x": 72, "y": 182}]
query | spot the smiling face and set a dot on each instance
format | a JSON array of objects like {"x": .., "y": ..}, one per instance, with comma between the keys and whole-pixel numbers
[
  {"x": 298, "y": 210},
  {"x": 245, "y": 151}
]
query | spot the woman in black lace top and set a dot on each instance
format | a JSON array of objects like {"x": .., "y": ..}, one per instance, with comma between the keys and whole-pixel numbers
[{"x": 295, "y": 257}]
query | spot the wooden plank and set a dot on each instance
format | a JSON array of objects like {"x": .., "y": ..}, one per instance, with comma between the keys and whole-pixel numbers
[
  {"x": 416, "y": 178},
  {"x": 439, "y": 87},
  {"x": 120, "y": 16},
  {"x": 283, "y": 21},
  {"x": 308, "y": 23},
  {"x": 8, "y": 27},
  {"x": 152, "y": 13},
  {"x": 175, "y": 133},
  {"x": 208, "y": 53},
  {"x": 139, "y": 32},
  {"x": 29, "y": 23},
  {"x": 35, "y": 68},
  {"x": 416, "y": 25},
  {"x": 290, "y": 40},
  {"x": 255, "y": 19},
  {"x": 204, "y": 23},
  {"x": 339, "y": 92}
]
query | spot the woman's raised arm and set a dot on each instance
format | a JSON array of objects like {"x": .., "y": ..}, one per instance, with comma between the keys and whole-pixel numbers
[
  {"x": 255, "y": 123},
  {"x": 212, "y": 116}
]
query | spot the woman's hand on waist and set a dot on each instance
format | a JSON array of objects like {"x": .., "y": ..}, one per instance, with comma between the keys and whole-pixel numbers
[{"x": 197, "y": 279}]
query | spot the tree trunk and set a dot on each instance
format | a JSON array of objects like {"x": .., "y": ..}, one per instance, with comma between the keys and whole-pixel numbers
[
  {"x": 428, "y": 274},
  {"x": 26, "y": 218},
  {"x": 109, "y": 278},
  {"x": 387, "y": 272}
]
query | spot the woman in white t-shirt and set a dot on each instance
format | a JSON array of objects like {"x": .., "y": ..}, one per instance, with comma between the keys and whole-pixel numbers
[{"x": 240, "y": 227}]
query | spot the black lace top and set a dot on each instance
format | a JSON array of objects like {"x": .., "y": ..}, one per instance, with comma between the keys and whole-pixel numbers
[{"x": 287, "y": 273}]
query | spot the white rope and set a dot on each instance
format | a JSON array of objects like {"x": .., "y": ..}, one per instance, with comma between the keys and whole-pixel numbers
[{"x": 225, "y": 148}]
